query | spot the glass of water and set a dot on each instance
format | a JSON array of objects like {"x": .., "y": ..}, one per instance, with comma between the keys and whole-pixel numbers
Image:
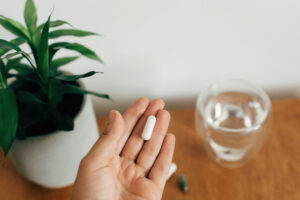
[{"x": 232, "y": 119}]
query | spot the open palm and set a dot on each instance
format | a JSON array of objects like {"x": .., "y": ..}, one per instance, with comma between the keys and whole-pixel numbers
[{"x": 121, "y": 165}]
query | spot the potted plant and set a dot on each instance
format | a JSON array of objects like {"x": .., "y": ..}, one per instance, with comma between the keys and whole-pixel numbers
[{"x": 46, "y": 118}]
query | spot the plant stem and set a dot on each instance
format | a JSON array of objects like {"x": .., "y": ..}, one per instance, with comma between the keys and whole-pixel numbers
[
  {"x": 33, "y": 49},
  {"x": 28, "y": 59},
  {"x": 2, "y": 82}
]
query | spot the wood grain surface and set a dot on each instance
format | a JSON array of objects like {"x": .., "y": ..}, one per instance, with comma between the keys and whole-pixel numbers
[{"x": 273, "y": 174}]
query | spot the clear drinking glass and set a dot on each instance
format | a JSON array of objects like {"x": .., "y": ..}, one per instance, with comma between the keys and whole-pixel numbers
[{"x": 232, "y": 119}]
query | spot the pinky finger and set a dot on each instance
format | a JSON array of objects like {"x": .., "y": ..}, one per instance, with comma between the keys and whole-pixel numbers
[{"x": 160, "y": 169}]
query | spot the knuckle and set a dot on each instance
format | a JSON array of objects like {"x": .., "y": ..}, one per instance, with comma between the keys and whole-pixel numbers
[
  {"x": 149, "y": 151},
  {"x": 105, "y": 132},
  {"x": 86, "y": 163},
  {"x": 152, "y": 149}
]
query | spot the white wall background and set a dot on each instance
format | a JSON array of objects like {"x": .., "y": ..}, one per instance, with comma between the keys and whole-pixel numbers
[{"x": 174, "y": 48}]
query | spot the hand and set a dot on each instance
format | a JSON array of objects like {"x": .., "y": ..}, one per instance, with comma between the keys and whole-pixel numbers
[{"x": 121, "y": 165}]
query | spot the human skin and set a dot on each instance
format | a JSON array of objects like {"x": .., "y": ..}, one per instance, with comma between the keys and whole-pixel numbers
[{"x": 121, "y": 165}]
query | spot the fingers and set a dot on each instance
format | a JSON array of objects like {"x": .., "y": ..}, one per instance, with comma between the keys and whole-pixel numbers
[
  {"x": 135, "y": 141},
  {"x": 131, "y": 117},
  {"x": 152, "y": 147},
  {"x": 160, "y": 169},
  {"x": 106, "y": 146}
]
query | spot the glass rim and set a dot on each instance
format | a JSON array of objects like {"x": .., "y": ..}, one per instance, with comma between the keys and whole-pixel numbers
[{"x": 260, "y": 92}]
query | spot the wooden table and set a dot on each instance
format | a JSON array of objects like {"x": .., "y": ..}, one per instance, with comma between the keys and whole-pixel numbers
[{"x": 273, "y": 174}]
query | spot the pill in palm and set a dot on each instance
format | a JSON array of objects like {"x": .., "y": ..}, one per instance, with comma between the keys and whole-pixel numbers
[{"x": 149, "y": 126}]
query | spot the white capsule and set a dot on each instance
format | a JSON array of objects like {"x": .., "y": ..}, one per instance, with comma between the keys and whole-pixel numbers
[
  {"x": 172, "y": 170},
  {"x": 148, "y": 129}
]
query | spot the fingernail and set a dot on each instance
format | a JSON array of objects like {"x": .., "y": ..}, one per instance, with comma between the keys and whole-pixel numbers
[{"x": 111, "y": 116}]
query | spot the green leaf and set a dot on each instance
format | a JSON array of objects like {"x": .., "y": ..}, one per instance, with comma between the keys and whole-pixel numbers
[
  {"x": 14, "y": 61},
  {"x": 71, "y": 89},
  {"x": 58, "y": 45},
  {"x": 3, "y": 75},
  {"x": 30, "y": 16},
  {"x": 8, "y": 45},
  {"x": 58, "y": 88},
  {"x": 43, "y": 52},
  {"x": 57, "y": 23},
  {"x": 9, "y": 118},
  {"x": 28, "y": 76},
  {"x": 28, "y": 97},
  {"x": 74, "y": 47},
  {"x": 53, "y": 48},
  {"x": 14, "y": 27},
  {"x": 84, "y": 51},
  {"x": 2, "y": 67},
  {"x": 32, "y": 109},
  {"x": 16, "y": 65},
  {"x": 54, "y": 24},
  {"x": 70, "y": 32},
  {"x": 75, "y": 77},
  {"x": 55, "y": 64},
  {"x": 24, "y": 54},
  {"x": 20, "y": 67},
  {"x": 55, "y": 92},
  {"x": 10, "y": 55},
  {"x": 16, "y": 41}
]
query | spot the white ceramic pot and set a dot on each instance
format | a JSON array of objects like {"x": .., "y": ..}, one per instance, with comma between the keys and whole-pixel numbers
[{"x": 52, "y": 160}]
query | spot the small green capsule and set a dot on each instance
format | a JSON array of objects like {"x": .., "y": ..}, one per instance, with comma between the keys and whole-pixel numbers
[{"x": 182, "y": 183}]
